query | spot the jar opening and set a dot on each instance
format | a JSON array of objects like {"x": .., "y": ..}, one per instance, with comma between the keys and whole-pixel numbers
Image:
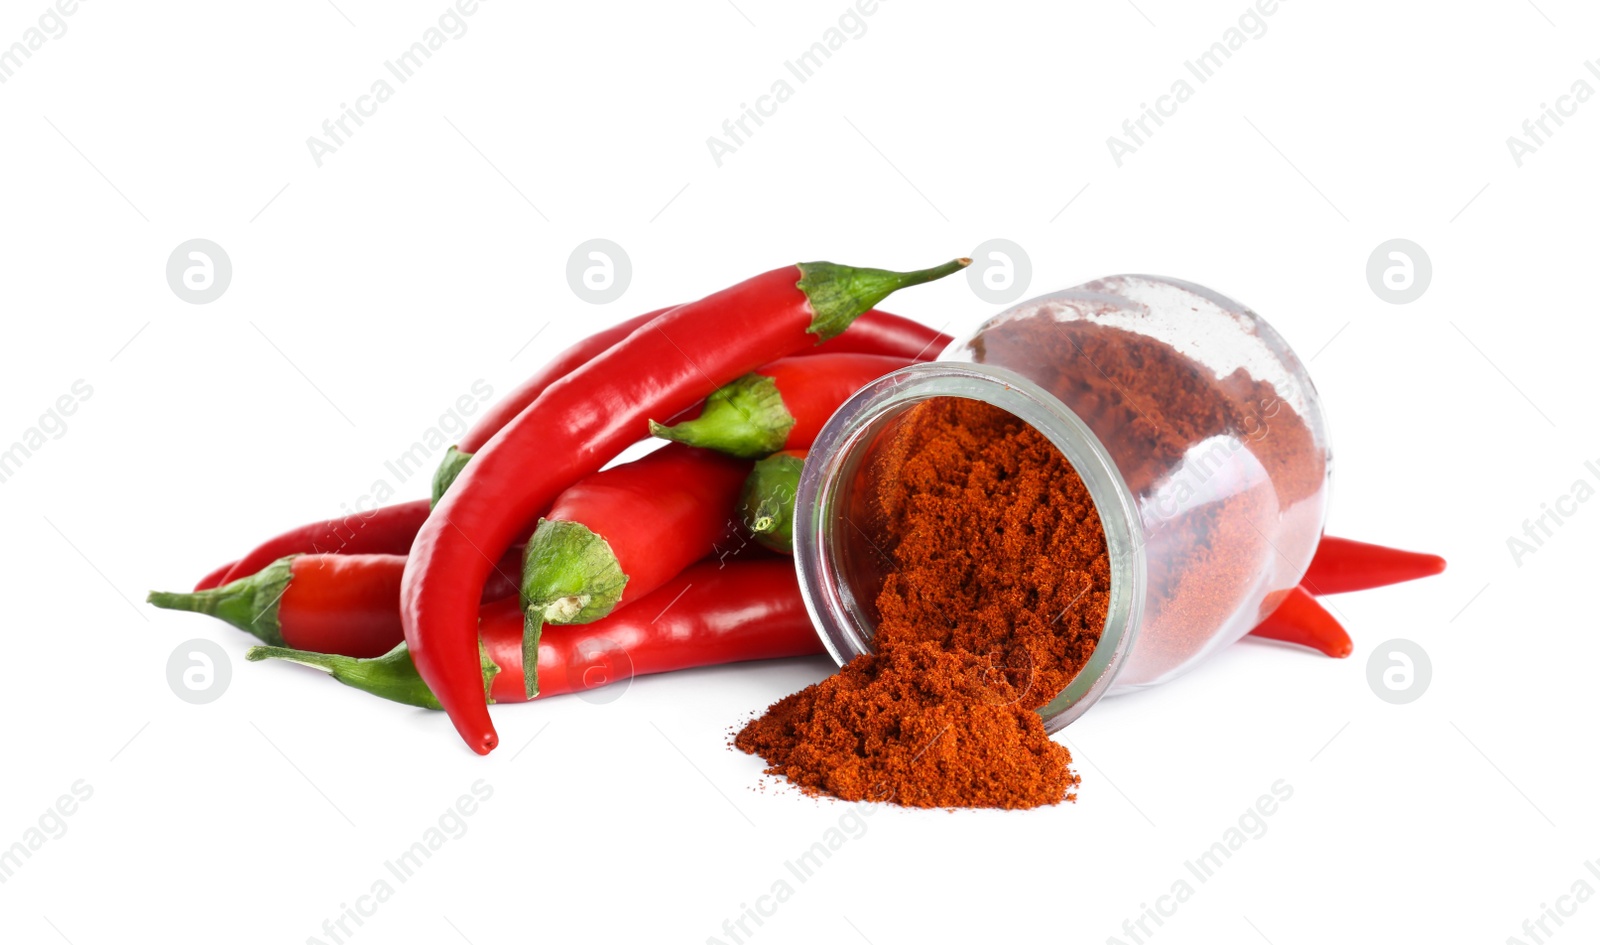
[{"x": 839, "y": 551}]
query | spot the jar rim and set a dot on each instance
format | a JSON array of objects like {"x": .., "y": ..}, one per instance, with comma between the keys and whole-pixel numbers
[{"x": 835, "y": 457}]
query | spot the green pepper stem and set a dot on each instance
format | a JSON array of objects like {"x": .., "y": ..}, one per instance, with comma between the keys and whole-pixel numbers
[
  {"x": 449, "y": 468},
  {"x": 839, "y": 293},
  {"x": 766, "y": 504},
  {"x": 532, "y": 630},
  {"x": 745, "y": 418},
  {"x": 250, "y": 603},
  {"x": 392, "y": 676}
]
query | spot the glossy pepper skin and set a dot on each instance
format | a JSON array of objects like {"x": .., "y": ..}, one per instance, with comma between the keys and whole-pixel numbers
[
  {"x": 506, "y": 408},
  {"x": 1342, "y": 565},
  {"x": 388, "y": 530},
  {"x": 782, "y": 406},
  {"x": 709, "y": 615},
  {"x": 581, "y": 422},
  {"x": 878, "y": 332},
  {"x": 620, "y": 533},
  {"x": 346, "y": 604},
  {"x": 1300, "y": 619},
  {"x": 873, "y": 333}
]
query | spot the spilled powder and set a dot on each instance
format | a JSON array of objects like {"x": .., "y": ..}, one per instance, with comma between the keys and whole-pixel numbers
[
  {"x": 914, "y": 725},
  {"x": 995, "y": 591}
]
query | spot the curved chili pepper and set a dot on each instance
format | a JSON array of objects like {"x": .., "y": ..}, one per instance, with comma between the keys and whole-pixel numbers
[
  {"x": 387, "y": 530},
  {"x": 1300, "y": 619},
  {"x": 874, "y": 332},
  {"x": 878, "y": 332},
  {"x": 215, "y": 578},
  {"x": 709, "y": 615},
  {"x": 766, "y": 505},
  {"x": 781, "y": 406},
  {"x": 1342, "y": 564},
  {"x": 506, "y": 408},
  {"x": 348, "y": 604},
  {"x": 581, "y": 422},
  {"x": 620, "y": 533}
]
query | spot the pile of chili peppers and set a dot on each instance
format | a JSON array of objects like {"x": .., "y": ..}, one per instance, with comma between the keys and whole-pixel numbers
[{"x": 537, "y": 569}]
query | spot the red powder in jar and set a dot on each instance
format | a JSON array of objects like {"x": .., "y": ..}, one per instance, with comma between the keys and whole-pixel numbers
[{"x": 995, "y": 594}]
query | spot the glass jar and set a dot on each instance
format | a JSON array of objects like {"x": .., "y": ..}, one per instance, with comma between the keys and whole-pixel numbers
[{"x": 1194, "y": 427}]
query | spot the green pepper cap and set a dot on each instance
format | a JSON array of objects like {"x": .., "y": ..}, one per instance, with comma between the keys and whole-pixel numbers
[
  {"x": 449, "y": 468},
  {"x": 839, "y": 293},
  {"x": 766, "y": 505},
  {"x": 745, "y": 418},
  {"x": 250, "y": 603},
  {"x": 569, "y": 575}
]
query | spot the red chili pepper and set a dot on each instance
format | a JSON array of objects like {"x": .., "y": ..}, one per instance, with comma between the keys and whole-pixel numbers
[
  {"x": 387, "y": 530},
  {"x": 581, "y": 422},
  {"x": 333, "y": 603},
  {"x": 506, "y": 408},
  {"x": 878, "y": 332},
  {"x": 1300, "y": 619},
  {"x": 1341, "y": 565},
  {"x": 215, "y": 578},
  {"x": 620, "y": 533},
  {"x": 781, "y": 406},
  {"x": 709, "y": 615},
  {"x": 873, "y": 333},
  {"x": 766, "y": 505}
]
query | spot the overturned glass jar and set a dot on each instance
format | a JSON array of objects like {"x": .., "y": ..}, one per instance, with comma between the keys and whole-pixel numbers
[{"x": 1194, "y": 427}]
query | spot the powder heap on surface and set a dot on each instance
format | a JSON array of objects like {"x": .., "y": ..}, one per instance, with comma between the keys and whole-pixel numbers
[
  {"x": 918, "y": 726},
  {"x": 995, "y": 593}
]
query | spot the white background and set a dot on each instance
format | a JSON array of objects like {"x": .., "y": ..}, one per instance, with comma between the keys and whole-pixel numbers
[{"x": 373, "y": 291}]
